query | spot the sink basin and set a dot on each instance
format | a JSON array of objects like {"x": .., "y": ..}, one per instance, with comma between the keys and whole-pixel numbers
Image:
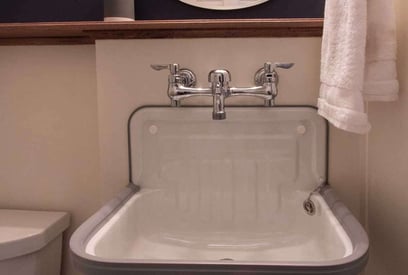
[{"x": 224, "y": 197}]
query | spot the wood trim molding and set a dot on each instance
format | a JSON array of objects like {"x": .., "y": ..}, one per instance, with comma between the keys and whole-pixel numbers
[{"x": 88, "y": 32}]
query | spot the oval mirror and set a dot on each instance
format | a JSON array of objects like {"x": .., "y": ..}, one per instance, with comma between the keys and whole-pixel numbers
[{"x": 223, "y": 4}]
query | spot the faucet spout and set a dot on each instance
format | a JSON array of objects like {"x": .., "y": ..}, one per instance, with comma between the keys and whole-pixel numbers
[
  {"x": 219, "y": 80},
  {"x": 219, "y": 107}
]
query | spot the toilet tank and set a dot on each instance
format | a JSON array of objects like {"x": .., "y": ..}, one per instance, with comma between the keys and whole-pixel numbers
[{"x": 31, "y": 242}]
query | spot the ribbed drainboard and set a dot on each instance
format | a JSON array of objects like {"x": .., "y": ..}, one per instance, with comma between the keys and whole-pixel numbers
[{"x": 226, "y": 191}]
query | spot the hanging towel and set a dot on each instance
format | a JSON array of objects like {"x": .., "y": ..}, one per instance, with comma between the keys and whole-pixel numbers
[
  {"x": 381, "y": 82},
  {"x": 344, "y": 57}
]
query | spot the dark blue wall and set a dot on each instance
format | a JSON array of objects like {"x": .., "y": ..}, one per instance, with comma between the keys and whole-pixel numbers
[
  {"x": 171, "y": 9},
  {"x": 50, "y": 10},
  {"x": 92, "y": 10}
]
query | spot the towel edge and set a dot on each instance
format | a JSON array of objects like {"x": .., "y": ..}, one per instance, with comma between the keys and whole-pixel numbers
[
  {"x": 342, "y": 118},
  {"x": 381, "y": 90}
]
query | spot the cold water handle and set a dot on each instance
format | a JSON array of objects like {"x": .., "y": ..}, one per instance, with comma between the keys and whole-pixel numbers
[{"x": 268, "y": 77}]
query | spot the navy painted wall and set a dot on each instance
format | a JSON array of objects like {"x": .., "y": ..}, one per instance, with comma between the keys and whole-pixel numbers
[
  {"x": 92, "y": 10},
  {"x": 170, "y": 9},
  {"x": 50, "y": 10}
]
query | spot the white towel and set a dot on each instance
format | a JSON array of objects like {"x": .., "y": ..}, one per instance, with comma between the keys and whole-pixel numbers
[
  {"x": 344, "y": 57},
  {"x": 381, "y": 82}
]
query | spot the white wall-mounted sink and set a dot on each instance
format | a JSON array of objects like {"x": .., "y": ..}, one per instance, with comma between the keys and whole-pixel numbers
[{"x": 223, "y": 197}]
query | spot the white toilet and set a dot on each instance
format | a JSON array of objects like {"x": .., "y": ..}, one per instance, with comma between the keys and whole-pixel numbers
[{"x": 31, "y": 242}]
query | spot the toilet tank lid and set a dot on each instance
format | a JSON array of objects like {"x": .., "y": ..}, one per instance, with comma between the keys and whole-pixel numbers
[{"x": 23, "y": 232}]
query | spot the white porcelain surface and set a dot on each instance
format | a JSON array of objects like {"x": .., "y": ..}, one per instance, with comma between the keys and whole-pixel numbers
[
  {"x": 230, "y": 189},
  {"x": 152, "y": 226},
  {"x": 255, "y": 151},
  {"x": 23, "y": 232},
  {"x": 46, "y": 261}
]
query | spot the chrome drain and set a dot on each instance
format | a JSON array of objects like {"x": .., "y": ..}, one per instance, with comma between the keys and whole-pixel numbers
[
  {"x": 226, "y": 259},
  {"x": 309, "y": 207}
]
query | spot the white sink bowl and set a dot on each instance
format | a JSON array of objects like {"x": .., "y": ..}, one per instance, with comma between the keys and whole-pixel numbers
[{"x": 223, "y": 198}]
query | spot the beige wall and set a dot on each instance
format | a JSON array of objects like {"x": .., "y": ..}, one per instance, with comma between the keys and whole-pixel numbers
[
  {"x": 65, "y": 115},
  {"x": 388, "y": 170},
  {"x": 49, "y": 136}
]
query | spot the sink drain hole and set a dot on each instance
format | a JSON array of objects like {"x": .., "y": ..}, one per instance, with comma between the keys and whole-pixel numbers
[
  {"x": 309, "y": 207},
  {"x": 226, "y": 259}
]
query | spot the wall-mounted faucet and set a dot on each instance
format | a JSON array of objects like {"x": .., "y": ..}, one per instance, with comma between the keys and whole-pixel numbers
[
  {"x": 182, "y": 85},
  {"x": 219, "y": 80}
]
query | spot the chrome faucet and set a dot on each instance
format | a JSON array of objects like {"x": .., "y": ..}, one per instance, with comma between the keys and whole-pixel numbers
[
  {"x": 182, "y": 81},
  {"x": 219, "y": 80}
]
